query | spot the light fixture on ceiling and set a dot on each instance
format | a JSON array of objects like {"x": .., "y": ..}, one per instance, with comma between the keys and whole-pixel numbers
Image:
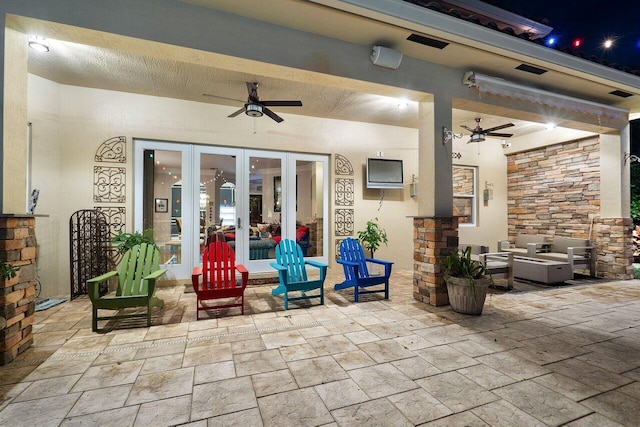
[
  {"x": 403, "y": 104},
  {"x": 253, "y": 110},
  {"x": 38, "y": 43},
  {"x": 477, "y": 137},
  {"x": 550, "y": 125}
]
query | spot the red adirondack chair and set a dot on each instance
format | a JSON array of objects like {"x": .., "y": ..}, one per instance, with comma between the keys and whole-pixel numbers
[{"x": 216, "y": 278}]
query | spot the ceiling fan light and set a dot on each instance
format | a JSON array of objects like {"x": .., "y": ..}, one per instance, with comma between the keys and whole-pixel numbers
[
  {"x": 254, "y": 110},
  {"x": 477, "y": 137}
]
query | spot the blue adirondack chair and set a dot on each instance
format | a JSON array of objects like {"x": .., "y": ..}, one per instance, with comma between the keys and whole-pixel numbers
[
  {"x": 356, "y": 272},
  {"x": 292, "y": 273}
]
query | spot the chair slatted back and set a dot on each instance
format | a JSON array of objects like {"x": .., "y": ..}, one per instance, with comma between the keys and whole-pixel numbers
[
  {"x": 138, "y": 262},
  {"x": 289, "y": 254},
  {"x": 351, "y": 250},
  {"x": 218, "y": 267}
]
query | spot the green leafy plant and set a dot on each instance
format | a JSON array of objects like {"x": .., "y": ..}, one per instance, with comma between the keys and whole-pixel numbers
[
  {"x": 372, "y": 236},
  {"x": 8, "y": 271},
  {"x": 460, "y": 264},
  {"x": 125, "y": 241}
]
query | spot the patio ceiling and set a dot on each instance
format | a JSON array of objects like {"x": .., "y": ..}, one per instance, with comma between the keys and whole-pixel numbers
[{"x": 104, "y": 65}]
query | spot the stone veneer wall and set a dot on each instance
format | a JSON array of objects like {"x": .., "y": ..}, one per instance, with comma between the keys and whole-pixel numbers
[
  {"x": 433, "y": 239},
  {"x": 555, "y": 190},
  {"x": 614, "y": 243},
  {"x": 17, "y": 295}
]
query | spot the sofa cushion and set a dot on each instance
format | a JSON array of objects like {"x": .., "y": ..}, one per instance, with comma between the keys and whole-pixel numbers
[
  {"x": 560, "y": 244},
  {"x": 523, "y": 239}
]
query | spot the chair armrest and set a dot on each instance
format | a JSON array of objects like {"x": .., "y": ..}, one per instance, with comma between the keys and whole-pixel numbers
[
  {"x": 378, "y": 261},
  {"x": 277, "y": 266},
  {"x": 315, "y": 264},
  {"x": 347, "y": 263},
  {"x": 92, "y": 284},
  {"x": 151, "y": 279},
  {"x": 195, "y": 276},
  {"x": 581, "y": 249},
  {"x": 503, "y": 244},
  {"x": 244, "y": 273}
]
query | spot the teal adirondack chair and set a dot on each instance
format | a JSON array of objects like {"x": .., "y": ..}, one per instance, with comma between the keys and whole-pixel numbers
[
  {"x": 137, "y": 277},
  {"x": 291, "y": 266},
  {"x": 356, "y": 272}
]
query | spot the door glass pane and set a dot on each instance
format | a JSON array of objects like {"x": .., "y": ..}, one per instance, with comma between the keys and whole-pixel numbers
[
  {"x": 309, "y": 207},
  {"x": 217, "y": 209},
  {"x": 266, "y": 204},
  {"x": 165, "y": 205}
]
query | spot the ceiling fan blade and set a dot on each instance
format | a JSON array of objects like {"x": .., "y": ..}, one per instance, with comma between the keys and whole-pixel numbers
[
  {"x": 506, "y": 125},
  {"x": 501, "y": 135},
  {"x": 467, "y": 128},
  {"x": 281, "y": 103},
  {"x": 222, "y": 97},
  {"x": 271, "y": 114},
  {"x": 240, "y": 111}
]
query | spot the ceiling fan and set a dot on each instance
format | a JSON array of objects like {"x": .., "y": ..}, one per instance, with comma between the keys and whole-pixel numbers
[
  {"x": 478, "y": 134},
  {"x": 255, "y": 107}
]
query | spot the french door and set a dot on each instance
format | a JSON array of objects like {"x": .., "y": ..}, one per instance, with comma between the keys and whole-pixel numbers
[{"x": 191, "y": 194}]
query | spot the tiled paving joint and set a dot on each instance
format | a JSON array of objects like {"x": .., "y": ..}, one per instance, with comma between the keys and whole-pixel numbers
[{"x": 175, "y": 341}]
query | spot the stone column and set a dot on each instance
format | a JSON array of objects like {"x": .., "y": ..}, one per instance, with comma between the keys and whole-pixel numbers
[
  {"x": 613, "y": 241},
  {"x": 433, "y": 239},
  {"x": 17, "y": 295}
]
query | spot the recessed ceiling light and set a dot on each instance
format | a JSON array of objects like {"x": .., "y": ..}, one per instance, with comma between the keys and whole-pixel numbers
[
  {"x": 550, "y": 125},
  {"x": 403, "y": 104},
  {"x": 38, "y": 43}
]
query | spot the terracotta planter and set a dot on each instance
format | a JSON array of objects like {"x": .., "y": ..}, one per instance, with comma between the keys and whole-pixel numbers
[{"x": 461, "y": 297}]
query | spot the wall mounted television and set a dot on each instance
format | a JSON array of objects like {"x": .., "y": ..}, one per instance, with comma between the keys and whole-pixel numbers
[{"x": 384, "y": 173}]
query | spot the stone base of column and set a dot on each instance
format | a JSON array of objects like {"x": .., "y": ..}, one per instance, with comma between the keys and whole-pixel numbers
[
  {"x": 433, "y": 239},
  {"x": 17, "y": 295},
  {"x": 614, "y": 245}
]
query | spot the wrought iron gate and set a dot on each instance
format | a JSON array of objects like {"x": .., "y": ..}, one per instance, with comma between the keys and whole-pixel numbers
[{"x": 89, "y": 245}]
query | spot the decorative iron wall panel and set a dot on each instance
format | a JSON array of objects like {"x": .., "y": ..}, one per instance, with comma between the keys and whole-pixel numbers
[
  {"x": 115, "y": 217},
  {"x": 344, "y": 222},
  {"x": 343, "y": 166},
  {"x": 112, "y": 150},
  {"x": 88, "y": 243},
  {"x": 344, "y": 192},
  {"x": 337, "y": 243},
  {"x": 109, "y": 184}
]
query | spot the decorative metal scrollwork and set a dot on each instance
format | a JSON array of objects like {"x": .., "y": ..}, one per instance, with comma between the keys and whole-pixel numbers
[
  {"x": 109, "y": 184},
  {"x": 343, "y": 166},
  {"x": 113, "y": 150},
  {"x": 337, "y": 243},
  {"x": 115, "y": 217},
  {"x": 344, "y": 192},
  {"x": 344, "y": 222}
]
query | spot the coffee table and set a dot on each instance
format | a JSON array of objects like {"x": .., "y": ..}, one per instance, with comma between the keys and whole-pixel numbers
[{"x": 541, "y": 270}]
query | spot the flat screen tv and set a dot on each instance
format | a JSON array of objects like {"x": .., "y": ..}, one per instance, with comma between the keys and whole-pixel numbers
[{"x": 384, "y": 173}]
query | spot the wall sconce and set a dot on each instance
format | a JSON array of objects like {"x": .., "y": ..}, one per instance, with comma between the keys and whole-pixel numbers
[
  {"x": 448, "y": 135},
  {"x": 413, "y": 187},
  {"x": 488, "y": 192},
  {"x": 628, "y": 157},
  {"x": 505, "y": 144}
]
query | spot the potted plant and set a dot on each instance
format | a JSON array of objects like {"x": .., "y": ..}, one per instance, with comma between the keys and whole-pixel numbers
[
  {"x": 125, "y": 241},
  {"x": 372, "y": 236},
  {"x": 466, "y": 282}
]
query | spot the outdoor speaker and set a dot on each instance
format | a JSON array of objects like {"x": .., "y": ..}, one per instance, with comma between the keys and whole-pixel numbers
[{"x": 385, "y": 57}]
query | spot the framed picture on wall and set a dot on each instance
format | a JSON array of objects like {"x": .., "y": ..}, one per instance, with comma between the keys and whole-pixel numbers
[{"x": 162, "y": 205}]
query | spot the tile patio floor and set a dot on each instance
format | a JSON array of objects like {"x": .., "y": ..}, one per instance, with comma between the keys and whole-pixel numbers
[{"x": 554, "y": 356}]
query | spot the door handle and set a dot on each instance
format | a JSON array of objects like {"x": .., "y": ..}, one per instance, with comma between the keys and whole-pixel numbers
[{"x": 239, "y": 224}]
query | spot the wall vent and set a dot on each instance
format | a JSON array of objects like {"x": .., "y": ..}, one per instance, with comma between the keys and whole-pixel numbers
[
  {"x": 621, "y": 94},
  {"x": 427, "y": 41},
  {"x": 530, "y": 69}
]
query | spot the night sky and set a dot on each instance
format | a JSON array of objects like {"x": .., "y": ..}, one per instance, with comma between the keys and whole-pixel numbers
[{"x": 592, "y": 21}]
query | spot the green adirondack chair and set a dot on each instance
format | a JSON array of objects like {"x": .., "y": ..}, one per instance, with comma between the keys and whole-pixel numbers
[
  {"x": 137, "y": 277},
  {"x": 292, "y": 272}
]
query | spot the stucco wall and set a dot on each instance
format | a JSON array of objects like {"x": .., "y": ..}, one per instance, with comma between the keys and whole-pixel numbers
[{"x": 69, "y": 124}]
